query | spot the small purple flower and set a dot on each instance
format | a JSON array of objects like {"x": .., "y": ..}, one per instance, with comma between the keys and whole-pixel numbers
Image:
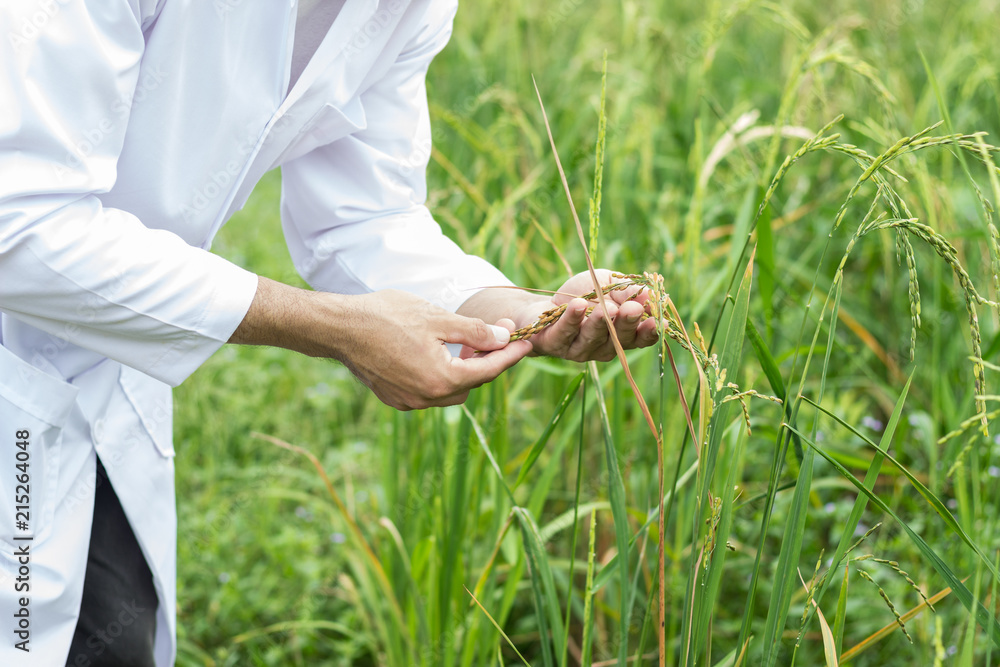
[
  {"x": 872, "y": 423},
  {"x": 993, "y": 471},
  {"x": 338, "y": 538}
]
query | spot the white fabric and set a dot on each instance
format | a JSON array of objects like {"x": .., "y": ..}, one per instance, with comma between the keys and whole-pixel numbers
[{"x": 130, "y": 131}]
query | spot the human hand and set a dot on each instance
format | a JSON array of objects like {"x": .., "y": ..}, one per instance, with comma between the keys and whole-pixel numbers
[
  {"x": 581, "y": 337},
  {"x": 398, "y": 349},
  {"x": 394, "y": 342}
]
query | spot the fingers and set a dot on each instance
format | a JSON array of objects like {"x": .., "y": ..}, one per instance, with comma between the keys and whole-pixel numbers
[
  {"x": 579, "y": 338},
  {"x": 645, "y": 333},
  {"x": 475, "y": 333},
  {"x": 506, "y": 323},
  {"x": 480, "y": 369},
  {"x": 486, "y": 353},
  {"x": 566, "y": 329},
  {"x": 450, "y": 383},
  {"x": 627, "y": 322},
  {"x": 635, "y": 293},
  {"x": 593, "y": 341}
]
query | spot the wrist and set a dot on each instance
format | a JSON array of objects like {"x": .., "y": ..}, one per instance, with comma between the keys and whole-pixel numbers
[{"x": 312, "y": 323}]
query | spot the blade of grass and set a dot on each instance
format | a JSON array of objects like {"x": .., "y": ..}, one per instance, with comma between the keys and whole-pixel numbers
[
  {"x": 453, "y": 519},
  {"x": 485, "y": 446},
  {"x": 928, "y": 495},
  {"x": 576, "y": 513},
  {"x": 791, "y": 548},
  {"x": 543, "y": 439},
  {"x": 861, "y": 501},
  {"x": 872, "y": 639},
  {"x": 771, "y": 372},
  {"x": 829, "y": 645},
  {"x": 616, "y": 495},
  {"x": 481, "y": 583},
  {"x": 838, "y": 623},
  {"x": 766, "y": 359},
  {"x": 543, "y": 586},
  {"x": 397, "y": 540},
  {"x": 732, "y": 354},
  {"x": 765, "y": 246},
  {"x": 373, "y": 561},
  {"x": 499, "y": 629},
  {"x": 983, "y": 616}
]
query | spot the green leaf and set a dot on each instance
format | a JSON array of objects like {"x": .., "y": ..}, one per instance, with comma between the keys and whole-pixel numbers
[
  {"x": 604, "y": 576},
  {"x": 932, "y": 500},
  {"x": 766, "y": 359},
  {"x": 485, "y": 446},
  {"x": 616, "y": 495},
  {"x": 543, "y": 439},
  {"x": 847, "y": 536},
  {"x": 543, "y": 587},
  {"x": 838, "y": 623},
  {"x": 765, "y": 250},
  {"x": 731, "y": 358},
  {"x": 983, "y": 616},
  {"x": 773, "y": 375},
  {"x": 788, "y": 560}
]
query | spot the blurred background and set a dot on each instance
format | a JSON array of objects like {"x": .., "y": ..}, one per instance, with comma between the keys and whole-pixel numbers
[{"x": 271, "y": 572}]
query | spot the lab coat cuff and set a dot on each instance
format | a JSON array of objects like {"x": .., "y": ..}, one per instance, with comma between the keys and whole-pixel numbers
[{"x": 234, "y": 292}]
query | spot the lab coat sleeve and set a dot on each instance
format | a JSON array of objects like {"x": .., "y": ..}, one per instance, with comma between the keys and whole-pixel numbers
[
  {"x": 94, "y": 276},
  {"x": 354, "y": 210}
]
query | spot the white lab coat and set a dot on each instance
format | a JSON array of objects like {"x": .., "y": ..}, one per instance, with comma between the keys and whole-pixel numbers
[{"x": 130, "y": 131}]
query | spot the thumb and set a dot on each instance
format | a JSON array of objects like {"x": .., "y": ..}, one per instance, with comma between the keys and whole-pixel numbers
[{"x": 476, "y": 334}]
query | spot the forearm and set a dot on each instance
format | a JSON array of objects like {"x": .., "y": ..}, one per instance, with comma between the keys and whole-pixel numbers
[
  {"x": 312, "y": 323},
  {"x": 392, "y": 341}
]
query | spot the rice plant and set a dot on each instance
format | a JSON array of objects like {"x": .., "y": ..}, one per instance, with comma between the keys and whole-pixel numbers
[{"x": 802, "y": 472}]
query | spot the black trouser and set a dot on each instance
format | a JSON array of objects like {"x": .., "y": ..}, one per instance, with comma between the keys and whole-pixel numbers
[{"x": 117, "y": 622}]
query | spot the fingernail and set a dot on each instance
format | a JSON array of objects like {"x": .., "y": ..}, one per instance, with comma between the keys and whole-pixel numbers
[
  {"x": 632, "y": 319},
  {"x": 502, "y": 335}
]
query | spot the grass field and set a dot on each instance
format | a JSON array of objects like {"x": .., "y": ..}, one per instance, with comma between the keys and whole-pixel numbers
[{"x": 540, "y": 497}]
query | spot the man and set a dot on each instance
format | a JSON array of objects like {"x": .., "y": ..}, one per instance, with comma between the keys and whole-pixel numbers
[{"x": 130, "y": 131}]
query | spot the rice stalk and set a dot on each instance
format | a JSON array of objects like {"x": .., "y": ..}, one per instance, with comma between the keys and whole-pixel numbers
[
  {"x": 595, "y": 200},
  {"x": 588, "y": 598},
  {"x": 899, "y": 621},
  {"x": 895, "y": 568},
  {"x": 884, "y": 632}
]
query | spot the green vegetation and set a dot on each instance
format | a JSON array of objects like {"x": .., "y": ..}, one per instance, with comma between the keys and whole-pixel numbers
[{"x": 856, "y": 281}]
